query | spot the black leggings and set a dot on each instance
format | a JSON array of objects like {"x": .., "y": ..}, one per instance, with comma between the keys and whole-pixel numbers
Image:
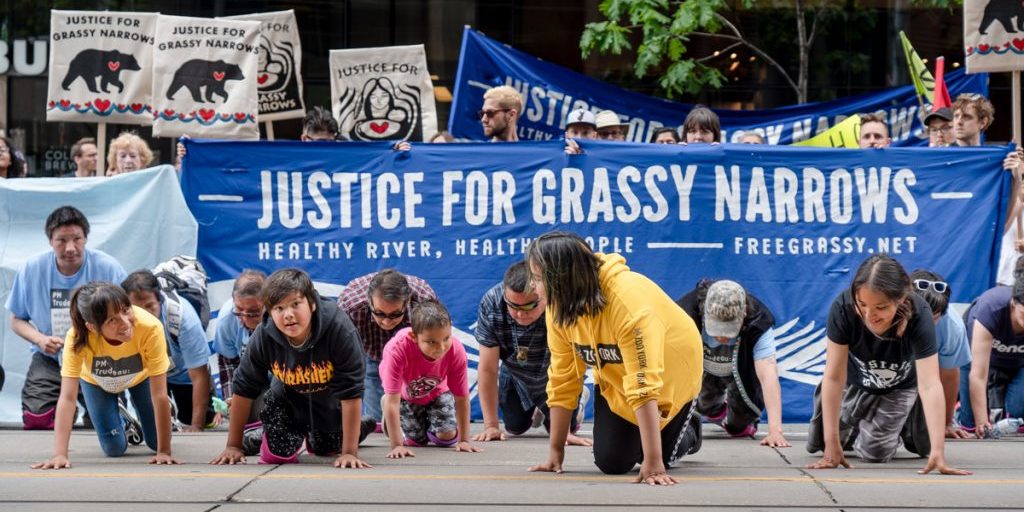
[
  {"x": 285, "y": 436},
  {"x": 617, "y": 446}
]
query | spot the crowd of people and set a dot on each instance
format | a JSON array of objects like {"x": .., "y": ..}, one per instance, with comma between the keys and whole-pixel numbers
[{"x": 302, "y": 370}]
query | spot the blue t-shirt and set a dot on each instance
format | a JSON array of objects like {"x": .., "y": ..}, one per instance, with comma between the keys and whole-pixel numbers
[
  {"x": 190, "y": 349},
  {"x": 763, "y": 349},
  {"x": 951, "y": 338},
  {"x": 42, "y": 295},
  {"x": 992, "y": 310},
  {"x": 231, "y": 337}
]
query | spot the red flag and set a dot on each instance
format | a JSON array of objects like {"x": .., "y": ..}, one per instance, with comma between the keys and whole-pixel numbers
[{"x": 940, "y": 99}]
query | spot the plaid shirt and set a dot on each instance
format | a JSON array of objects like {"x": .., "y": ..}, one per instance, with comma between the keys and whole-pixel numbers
[{"x": 355, "y": 300}]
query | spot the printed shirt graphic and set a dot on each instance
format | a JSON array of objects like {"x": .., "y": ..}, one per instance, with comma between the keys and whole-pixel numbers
[
  {"x": 404, "y": 369},
  {"x": 115, "y": 368},
  {"x": 879, "y": 364},
  {"x": 992, "y": 311},
  {"x": 39, "y": 287},
  {"x": 304, "y": 378},
  {"x": 718, "y": 357}
]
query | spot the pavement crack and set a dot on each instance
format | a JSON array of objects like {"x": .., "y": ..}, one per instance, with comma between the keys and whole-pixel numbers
[
  {"x": 231, "y": 497},
  {"x": 819, "y": 483},
  {"x": 783, "y": 455}
]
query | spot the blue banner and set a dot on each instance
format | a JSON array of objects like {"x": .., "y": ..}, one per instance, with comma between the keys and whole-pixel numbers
[
  {"x": 551, "y": 92},
  {"x": 791, "y": 224}
]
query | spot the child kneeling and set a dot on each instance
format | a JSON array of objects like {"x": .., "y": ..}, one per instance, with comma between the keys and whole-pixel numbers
[
  {"x": 426, "y": 391},
  {"x": 309, "y": 355}
]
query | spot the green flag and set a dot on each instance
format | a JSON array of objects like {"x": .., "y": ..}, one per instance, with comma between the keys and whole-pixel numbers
[{"x": 924, "y": 82}]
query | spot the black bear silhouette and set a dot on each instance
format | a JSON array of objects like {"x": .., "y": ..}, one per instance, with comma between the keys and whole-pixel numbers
[
  {"x": 105, "y": 64},
  {"x": 197, "y": 74},
  {"x": 1003, "y": 11}
]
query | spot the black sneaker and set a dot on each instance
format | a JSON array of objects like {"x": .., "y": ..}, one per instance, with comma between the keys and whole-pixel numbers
[
  {"x": 252, "y": 440},
  {"x": 696, "y": 433},
  {"x": 367, "y": 426}
]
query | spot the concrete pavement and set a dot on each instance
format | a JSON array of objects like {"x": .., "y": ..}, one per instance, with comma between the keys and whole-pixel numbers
[{"x": 727, "y": 474}]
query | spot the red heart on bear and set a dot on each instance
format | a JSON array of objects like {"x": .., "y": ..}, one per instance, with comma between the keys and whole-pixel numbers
[
  {"x": 218, "y": 75},
  {"x": 65, "y": 103},
  {"x": 113, "y": 65},
  {"x": 206, "y": 113},
  {"x": 241, "y": 116},
  {"x": 136, "y": 107},
  {"x": 168, "y": 113},
  {"x": 379, "y": 128},
  {"x": 262, "y": 79},
  {"x": 983, "y": 48},
  {"x": 1018, "y": 43},
  {"x": 102, "y": 105}
]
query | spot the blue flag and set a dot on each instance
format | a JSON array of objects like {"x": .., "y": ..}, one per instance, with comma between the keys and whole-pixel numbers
[
  {"x": 550, "y": 92},
  {"x": 791, "y": 224}
]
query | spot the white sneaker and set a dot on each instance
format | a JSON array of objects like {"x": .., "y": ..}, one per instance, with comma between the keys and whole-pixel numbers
[{"x": 581, "y": 411}]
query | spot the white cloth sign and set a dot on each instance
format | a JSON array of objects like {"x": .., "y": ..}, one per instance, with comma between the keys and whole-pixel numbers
[
  {"x": 101, "y": 67},
  {"x": 383, "y": 93},
  {"x": 204, "y": 78},
  {"x": 279, "y": 73},
  {"x": 993, "y": 35}
]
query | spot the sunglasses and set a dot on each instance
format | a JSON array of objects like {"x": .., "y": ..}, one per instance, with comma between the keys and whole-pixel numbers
[
  {"x": 529, "y": 306},
  {"x": 491, "y": 113},
  {"x": 394, "y": 315},
  {"x": 936, "y": 286},
  {"x": 247, "y": 314}
]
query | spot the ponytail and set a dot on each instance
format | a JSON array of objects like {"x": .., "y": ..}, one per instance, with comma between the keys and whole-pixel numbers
[{"x": 91, "y": 304}]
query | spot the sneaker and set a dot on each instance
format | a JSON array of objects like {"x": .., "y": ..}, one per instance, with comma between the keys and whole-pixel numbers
[
  {"x": 538, "y": 418},
  {"x": 697, "y": 433},
  {"x": 749, "y": 431},
  {"x": 252, "y": 439},
  {"x": 581, "y": 411},
  {"x": 132, "y": 427},
  {"x": 367, "y": 426},
  {"x": 719, "y": 418}
]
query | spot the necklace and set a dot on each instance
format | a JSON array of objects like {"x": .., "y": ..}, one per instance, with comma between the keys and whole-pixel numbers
[{"x": 521, "y": 353}]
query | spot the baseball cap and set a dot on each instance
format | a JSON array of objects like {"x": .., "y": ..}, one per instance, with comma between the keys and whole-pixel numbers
[
  {"x": 581, "y": 116},
  {"x": 941, "y": 113},
  {"x": 724, "y": 309}
]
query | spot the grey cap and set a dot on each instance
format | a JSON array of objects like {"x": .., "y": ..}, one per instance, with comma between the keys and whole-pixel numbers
[{"x": 724, "y": 309}]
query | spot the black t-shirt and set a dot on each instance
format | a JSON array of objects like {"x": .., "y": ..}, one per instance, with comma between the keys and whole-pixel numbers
[{"x": 879, "y": 364}]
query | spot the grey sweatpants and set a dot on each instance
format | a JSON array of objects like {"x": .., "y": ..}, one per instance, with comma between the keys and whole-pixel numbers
[{"x": 872, "y": 425}]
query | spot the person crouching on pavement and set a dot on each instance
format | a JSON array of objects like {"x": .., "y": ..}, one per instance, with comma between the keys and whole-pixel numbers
[
  {"x": 740, "y": 375},
  {"x": 308, "y": 353}
]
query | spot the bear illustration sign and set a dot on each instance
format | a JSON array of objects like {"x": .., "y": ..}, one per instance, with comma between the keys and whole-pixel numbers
[
  {"x": 105, "y": 65},
  {"x": 197, "y": 75},
  {"x": 101, "y": 67},
  {"x": 205, "y": 78},
  {"x": 993, "y": 35}
]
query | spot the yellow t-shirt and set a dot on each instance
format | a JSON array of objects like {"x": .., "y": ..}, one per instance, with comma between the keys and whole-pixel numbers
[
  {"x": 642, "y": 347},
  {"x": 115, "y": 368}
]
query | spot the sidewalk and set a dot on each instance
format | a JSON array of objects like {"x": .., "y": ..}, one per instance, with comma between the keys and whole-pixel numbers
[{"x": 727, "y": 474}]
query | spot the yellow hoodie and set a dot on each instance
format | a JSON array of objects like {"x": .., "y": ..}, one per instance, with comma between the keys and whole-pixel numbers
[{"x": 642, "y": 347}]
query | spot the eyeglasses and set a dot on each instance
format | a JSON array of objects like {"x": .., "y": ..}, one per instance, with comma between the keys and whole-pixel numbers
[
  {"x": 491, "y": 113},
  {"x": 938, "y": 131},
  {"x": 394, "y": 315},
  {"x": 247, "y": 314},
  {"x": 529, "y": 306},
  {"x": 936, "y": 286}
]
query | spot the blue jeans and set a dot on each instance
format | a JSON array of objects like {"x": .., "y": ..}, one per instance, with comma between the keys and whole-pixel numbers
[
  {"x": 106, "y": 418},
  {"x": 1013, "y": 402},
  {"x": 373, "y": 390}
]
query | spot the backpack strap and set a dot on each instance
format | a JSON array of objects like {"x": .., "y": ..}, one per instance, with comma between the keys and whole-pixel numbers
[{"x": 174, "y": 313}]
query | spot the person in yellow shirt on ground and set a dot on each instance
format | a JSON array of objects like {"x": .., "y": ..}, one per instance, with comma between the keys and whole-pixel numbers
[
  {"x": 113, "y": 347},
  {"x": 644, "y": 350}
]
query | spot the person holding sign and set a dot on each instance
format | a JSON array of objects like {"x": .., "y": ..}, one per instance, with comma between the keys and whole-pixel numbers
[
  {"x": 702, "y": 125},
  {"x": 39, "y": 302},
  {"x": 500, "y": 113},
  {"x": 306, "y": 351},
  {"x": 112, "y": 348},
  {"x": 874, "y": 133},
  {"x": 740, "y": 375},
  {"x": 644, "y": 351},
  {"x": 881, "y": 346},
  {"x": 128, "y": 152}
]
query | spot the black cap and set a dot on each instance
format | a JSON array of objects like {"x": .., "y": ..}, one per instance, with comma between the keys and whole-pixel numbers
[{"x": 942, "y": 113}]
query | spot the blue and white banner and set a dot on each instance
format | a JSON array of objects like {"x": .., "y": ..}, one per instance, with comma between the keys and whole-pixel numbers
[
  {"x": 791, "y": 224},
  {"x": 139, "y": 218},
  {"x": 551, "y": 92}
]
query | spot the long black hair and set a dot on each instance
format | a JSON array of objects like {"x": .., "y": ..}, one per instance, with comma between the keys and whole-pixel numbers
[
  {"x": 569, "y": 270},
  {"x": 91, "y": 303},
  {"x": 885, "y": 275}
]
